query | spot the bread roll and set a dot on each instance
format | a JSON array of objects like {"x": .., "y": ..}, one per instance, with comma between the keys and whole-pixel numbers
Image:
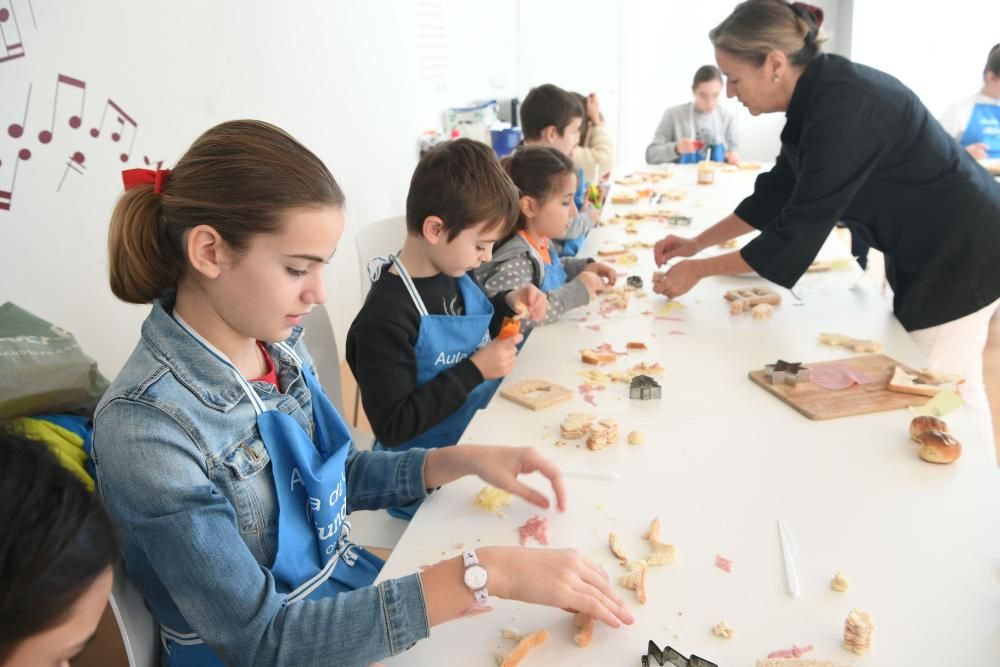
[
  {"x": 926, "y": 423},
  {"x": 939, "y": 447}
]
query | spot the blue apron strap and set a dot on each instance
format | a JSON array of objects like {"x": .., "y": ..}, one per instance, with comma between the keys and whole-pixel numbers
[
  {"x": 410, "y": 287},
  {"x": 258, "y": 404}
]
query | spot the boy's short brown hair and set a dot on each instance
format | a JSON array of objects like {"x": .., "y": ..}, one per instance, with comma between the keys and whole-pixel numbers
[
  {"x": 547, "y": 105},
  {"x": 462, "y": 183}
]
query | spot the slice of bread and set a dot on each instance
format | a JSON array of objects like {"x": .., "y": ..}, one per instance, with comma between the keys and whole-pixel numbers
[{"x": 919, "y": 384}]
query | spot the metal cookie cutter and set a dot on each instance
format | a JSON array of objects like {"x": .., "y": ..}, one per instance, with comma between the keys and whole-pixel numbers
[
  {"x": 644, "y": 388},
  {"x": 669, "y": 656},
  {"x": 784, "y": 372}
]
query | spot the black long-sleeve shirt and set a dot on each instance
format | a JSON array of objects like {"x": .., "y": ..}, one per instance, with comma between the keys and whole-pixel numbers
[
  {"x": 380, "y": 352},
  {"x": 859, "y": 146}
]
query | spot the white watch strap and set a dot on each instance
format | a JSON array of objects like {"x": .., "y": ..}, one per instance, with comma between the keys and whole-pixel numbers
[{"x": 469, "y": 559}]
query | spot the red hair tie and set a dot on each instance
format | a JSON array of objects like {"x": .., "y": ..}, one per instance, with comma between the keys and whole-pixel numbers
[
  {"x": 155, "y": 177},
  {"x": 816, "y": 13}
]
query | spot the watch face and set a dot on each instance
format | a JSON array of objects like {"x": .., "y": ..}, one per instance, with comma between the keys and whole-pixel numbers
[{"x": 475, "y": 577}]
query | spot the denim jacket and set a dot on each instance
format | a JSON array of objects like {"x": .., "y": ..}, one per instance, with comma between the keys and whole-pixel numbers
[{"x": 182, "y": 468}]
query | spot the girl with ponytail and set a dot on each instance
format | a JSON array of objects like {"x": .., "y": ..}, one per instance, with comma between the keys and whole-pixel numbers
[{"x": 231, "y": 473}]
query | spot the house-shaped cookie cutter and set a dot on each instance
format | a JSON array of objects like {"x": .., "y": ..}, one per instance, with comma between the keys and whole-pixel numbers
[
  {"x": 644, "y": 388},
  {"x": 669, "y": 656}
]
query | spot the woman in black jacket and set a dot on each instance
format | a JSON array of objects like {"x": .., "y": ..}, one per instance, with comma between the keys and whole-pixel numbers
[{"x": 859, "y": 147}]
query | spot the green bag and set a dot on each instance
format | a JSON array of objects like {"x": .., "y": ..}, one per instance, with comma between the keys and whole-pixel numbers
[{"x": 43, "y": 369}]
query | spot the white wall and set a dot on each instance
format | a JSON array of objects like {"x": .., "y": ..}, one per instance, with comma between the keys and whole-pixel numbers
[
  {"x": 940, "y": 55},
  {"x": 354, "y": 81},
  {"x": 663, "y": 45}
]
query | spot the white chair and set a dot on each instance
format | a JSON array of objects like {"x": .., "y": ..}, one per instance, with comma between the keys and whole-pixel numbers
[
  {"x": 368, "y": 528},
  {"x": 140, "y": 632},
  {"x": 322, "y": 343},
  {"x": 376, "y": 239}
]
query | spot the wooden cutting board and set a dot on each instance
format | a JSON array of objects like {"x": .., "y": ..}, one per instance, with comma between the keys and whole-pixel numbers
[{"x": 817, "y": 403}]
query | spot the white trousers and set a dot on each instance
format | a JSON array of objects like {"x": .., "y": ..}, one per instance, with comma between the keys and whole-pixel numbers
[{"x": 957, "y": 347}]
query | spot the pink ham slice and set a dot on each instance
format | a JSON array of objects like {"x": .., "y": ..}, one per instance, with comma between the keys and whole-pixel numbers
[{"x": 832, "y": 376}]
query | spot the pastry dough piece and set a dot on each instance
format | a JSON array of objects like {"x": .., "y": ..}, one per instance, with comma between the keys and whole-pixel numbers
[
  {"x": 635, "y": 580},
  {"x": 614, "y": 543},
  {"x": 584, "y": 629},
  {"x": 527, "y": 644}
]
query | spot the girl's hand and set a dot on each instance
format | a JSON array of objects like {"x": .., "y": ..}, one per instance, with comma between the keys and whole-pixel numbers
[
  {"x": 592, "y": 281},
  {"x": 561, "y": 578},
  {"x": 594, "y": 110},
  {"x": 501, "y": 466},
  {"x": 528, "y": 301},
  {"x": 685, "y": 145},
  {"x": 605, "y": 272},
  {"x": 978, "y": 151}
]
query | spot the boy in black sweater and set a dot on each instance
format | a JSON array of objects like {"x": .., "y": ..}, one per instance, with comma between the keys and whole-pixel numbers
[{"x": 421, "y": 348}]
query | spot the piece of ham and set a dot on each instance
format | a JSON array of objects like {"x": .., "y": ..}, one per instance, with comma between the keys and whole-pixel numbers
[
  {"x": 536, "y": 527},
  {"x": 724, "y": 564},
  {"x": 832, "y": 376},
  {"x": 794, "y": 652}
]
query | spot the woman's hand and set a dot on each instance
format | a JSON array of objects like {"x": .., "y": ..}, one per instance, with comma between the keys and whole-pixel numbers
[
  {"x": 732, "y": 157},
  {"x": 561, "y": 578},
  {"x": 675, "y": 246},
  {"x": 679, "y": 280},
  {"x": 528, "y": 301},
  {"x": 605, "y": 272}
]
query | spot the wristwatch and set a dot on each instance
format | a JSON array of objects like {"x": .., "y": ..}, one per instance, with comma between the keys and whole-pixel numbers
[{"x": 475, "y": 576}]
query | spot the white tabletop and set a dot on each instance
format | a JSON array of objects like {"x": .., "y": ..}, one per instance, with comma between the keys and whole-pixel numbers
[{"x": 722, "y": 461}]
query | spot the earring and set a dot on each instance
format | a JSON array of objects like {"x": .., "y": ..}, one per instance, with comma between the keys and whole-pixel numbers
[{"x": 775, "y": 78}]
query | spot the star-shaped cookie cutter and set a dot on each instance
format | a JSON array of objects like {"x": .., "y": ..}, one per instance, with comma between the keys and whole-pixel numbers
[{"x": 787, "y": 373}]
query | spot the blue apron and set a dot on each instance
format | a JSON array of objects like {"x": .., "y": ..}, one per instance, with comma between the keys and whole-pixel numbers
[
  {"x": 315, "y": 559},
  {"x": 442, "y": 342},
  {"x": 715, "y": 150},
  {"x": 984, "y": 128},
  {"x": 570, "y": 247},
  {"x": 555, "y": 274}
]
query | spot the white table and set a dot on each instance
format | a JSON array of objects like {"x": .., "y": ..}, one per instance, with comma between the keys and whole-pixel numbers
[{"x": 721, "y": 463}]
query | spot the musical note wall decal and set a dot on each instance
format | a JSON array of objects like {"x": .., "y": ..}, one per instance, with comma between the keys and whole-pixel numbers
[
  {"x": 124, "y": 122},
  {"x": 45, "y": 136},
  {"x": 6, "y": 196},
  {"x": 10, "y": 33},
  {"x": 76, "y": 164},
  {"x": 15, "y": 130}
]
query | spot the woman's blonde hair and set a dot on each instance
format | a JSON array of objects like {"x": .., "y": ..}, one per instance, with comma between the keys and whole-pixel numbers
[
  {"x": 238, "y": 177},
  {"x": 758, "y": 27}
]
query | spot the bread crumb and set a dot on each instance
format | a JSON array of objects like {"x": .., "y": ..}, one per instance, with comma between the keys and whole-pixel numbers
[
  {"x": 722, "y": 630},
  {"x": 493, "y": 500},
  {"x": 839, "y": 583},
  {"x": 636, "y": 438}
]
